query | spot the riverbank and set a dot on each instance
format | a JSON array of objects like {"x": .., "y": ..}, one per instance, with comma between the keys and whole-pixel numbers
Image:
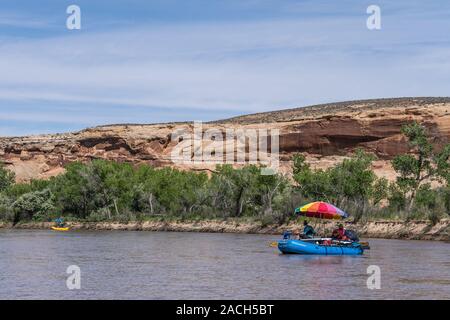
[{"x": 386, "y": 229}]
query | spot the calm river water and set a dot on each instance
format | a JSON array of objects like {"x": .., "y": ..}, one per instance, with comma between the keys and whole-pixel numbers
[{"x": 169, "y": 265}]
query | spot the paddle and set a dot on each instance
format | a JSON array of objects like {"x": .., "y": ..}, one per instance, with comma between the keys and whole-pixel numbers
[{"x": 273, "y": 244}]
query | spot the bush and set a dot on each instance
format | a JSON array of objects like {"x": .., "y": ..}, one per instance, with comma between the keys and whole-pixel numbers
[
  {"x": 6, "y": 210},
  {"x": 444, "y": 196},
  {"x": 425, "y": 198},
  {"x": 396, "y": 198},
  {"x": 100, "y": 215},
  {"x": 7, "y": 178},
  {"x": 351, "y": 184},
  {"x": 267, "y": 219},
  {"x": 37, "y": 204},
  {"x": 415, "y": 170},
  {"x": 434, "y": 215},
  {"x": 105, "y": 191}
]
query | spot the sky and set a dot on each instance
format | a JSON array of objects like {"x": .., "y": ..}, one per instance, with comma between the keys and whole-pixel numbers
[{"x": 147, "y": 61}]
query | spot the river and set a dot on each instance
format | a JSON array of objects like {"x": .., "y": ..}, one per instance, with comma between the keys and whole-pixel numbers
[{"x": 171, "y": 265}]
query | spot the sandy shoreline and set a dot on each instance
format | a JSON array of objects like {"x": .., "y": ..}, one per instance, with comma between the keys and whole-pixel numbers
[{"x": 387, "y": 229}]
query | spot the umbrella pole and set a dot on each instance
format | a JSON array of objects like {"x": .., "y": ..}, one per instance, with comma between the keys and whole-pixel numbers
[
  {"x": 317, "y": 226},
  {"x": 317, "y": 223},
  {"x": 321, "y": 226}
]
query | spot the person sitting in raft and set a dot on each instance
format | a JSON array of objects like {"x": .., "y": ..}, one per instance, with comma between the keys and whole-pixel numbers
[
  {"x": 339, "y": 233},
  {"x": 308, "y": 231}
]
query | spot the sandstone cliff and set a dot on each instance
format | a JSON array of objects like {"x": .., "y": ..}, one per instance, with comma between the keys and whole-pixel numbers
[{"x": 324, "y": 133}]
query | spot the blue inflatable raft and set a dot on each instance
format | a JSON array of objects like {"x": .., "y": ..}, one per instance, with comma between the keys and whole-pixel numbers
[{"x": 313, "y": 246}]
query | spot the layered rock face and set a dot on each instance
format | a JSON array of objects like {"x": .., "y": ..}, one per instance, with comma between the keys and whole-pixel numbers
[{"x": 325, "y": 134}]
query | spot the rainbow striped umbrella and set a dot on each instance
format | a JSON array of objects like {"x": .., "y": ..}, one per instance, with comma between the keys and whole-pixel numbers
[{"x": 321, "y": 210}]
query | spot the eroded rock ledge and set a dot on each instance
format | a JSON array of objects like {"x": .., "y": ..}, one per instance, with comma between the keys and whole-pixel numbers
[
  {"x": 324, "y": 133},
  {"x": 387, "y": 229}
]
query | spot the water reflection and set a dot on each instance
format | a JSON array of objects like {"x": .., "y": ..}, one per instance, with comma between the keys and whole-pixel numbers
[{"x": 152, "y": 265}]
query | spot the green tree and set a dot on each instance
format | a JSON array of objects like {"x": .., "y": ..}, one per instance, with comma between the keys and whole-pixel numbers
[
  {"x": 380, "y": 191},
  {"x": 238, "y": 185},
  {"x": 353, "y": 178},
  {"x": 268, "y": 188},
  {"x": 222, "y": 189},
  {"x": 313, "y": 184},
  {"x": 350, "y": 182},
  {"x": 79, "y": 190},
  {"x": 396, "y": 197},
  {"x": 7, "y": 178},
  {"x": 444, "y": 196},
  {"x": 37, "y": 205},
  {"x": 426, "y": 198},
  {"x": 6, "y": 209},
  {"x": 413, "y": 170}
]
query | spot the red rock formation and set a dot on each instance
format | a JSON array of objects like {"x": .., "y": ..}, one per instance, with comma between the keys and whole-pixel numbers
[{"x": 325, "y": 133}]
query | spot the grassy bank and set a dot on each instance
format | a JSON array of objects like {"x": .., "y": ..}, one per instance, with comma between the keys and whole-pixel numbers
[{"x": 387, "y": 229}]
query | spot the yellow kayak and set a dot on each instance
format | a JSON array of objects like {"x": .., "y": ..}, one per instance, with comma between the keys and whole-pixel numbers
[{"x": 60, "y": 229}]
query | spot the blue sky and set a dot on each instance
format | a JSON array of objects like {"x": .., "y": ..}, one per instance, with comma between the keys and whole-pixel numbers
[{"x": 152, "y": 61}]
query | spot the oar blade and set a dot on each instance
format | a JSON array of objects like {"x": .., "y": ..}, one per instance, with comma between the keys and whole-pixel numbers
[{"x": 273, "y": 244}]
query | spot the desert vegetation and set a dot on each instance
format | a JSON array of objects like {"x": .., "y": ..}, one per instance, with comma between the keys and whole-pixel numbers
[{"x": 110, "y": 191}]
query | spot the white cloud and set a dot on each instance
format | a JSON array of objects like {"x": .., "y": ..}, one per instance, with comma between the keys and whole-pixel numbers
[
  {"x": 245, "y": 67},
  {"x": 22, "y": 21}
]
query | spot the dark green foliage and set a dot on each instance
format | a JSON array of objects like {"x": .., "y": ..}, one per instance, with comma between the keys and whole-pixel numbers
[
  {"x": 36, "y": 204},
  {"x": 237, "y": 192},
  {"x": 7, "y": 178},
  {"x": 106, "y": 190},
  {"x": 416, "y": 170},
  {"x": 380, "y": 191},
  {"x": 444, "y": 196},
  {"x": 6, "y": 211},
  {"x": 313, "y": 184},
  {"x": 80, "y": 190},
  {"x": 350, "y": 180},
  {"x": 350, "y": 183},
  {"x": 396, "y": 198},
  {"x": 353, "y": 179},
  {"x": 426, "y": 198}
]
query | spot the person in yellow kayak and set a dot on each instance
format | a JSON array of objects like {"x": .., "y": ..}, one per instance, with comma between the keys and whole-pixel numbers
[{"x": 60, "y": 222}]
